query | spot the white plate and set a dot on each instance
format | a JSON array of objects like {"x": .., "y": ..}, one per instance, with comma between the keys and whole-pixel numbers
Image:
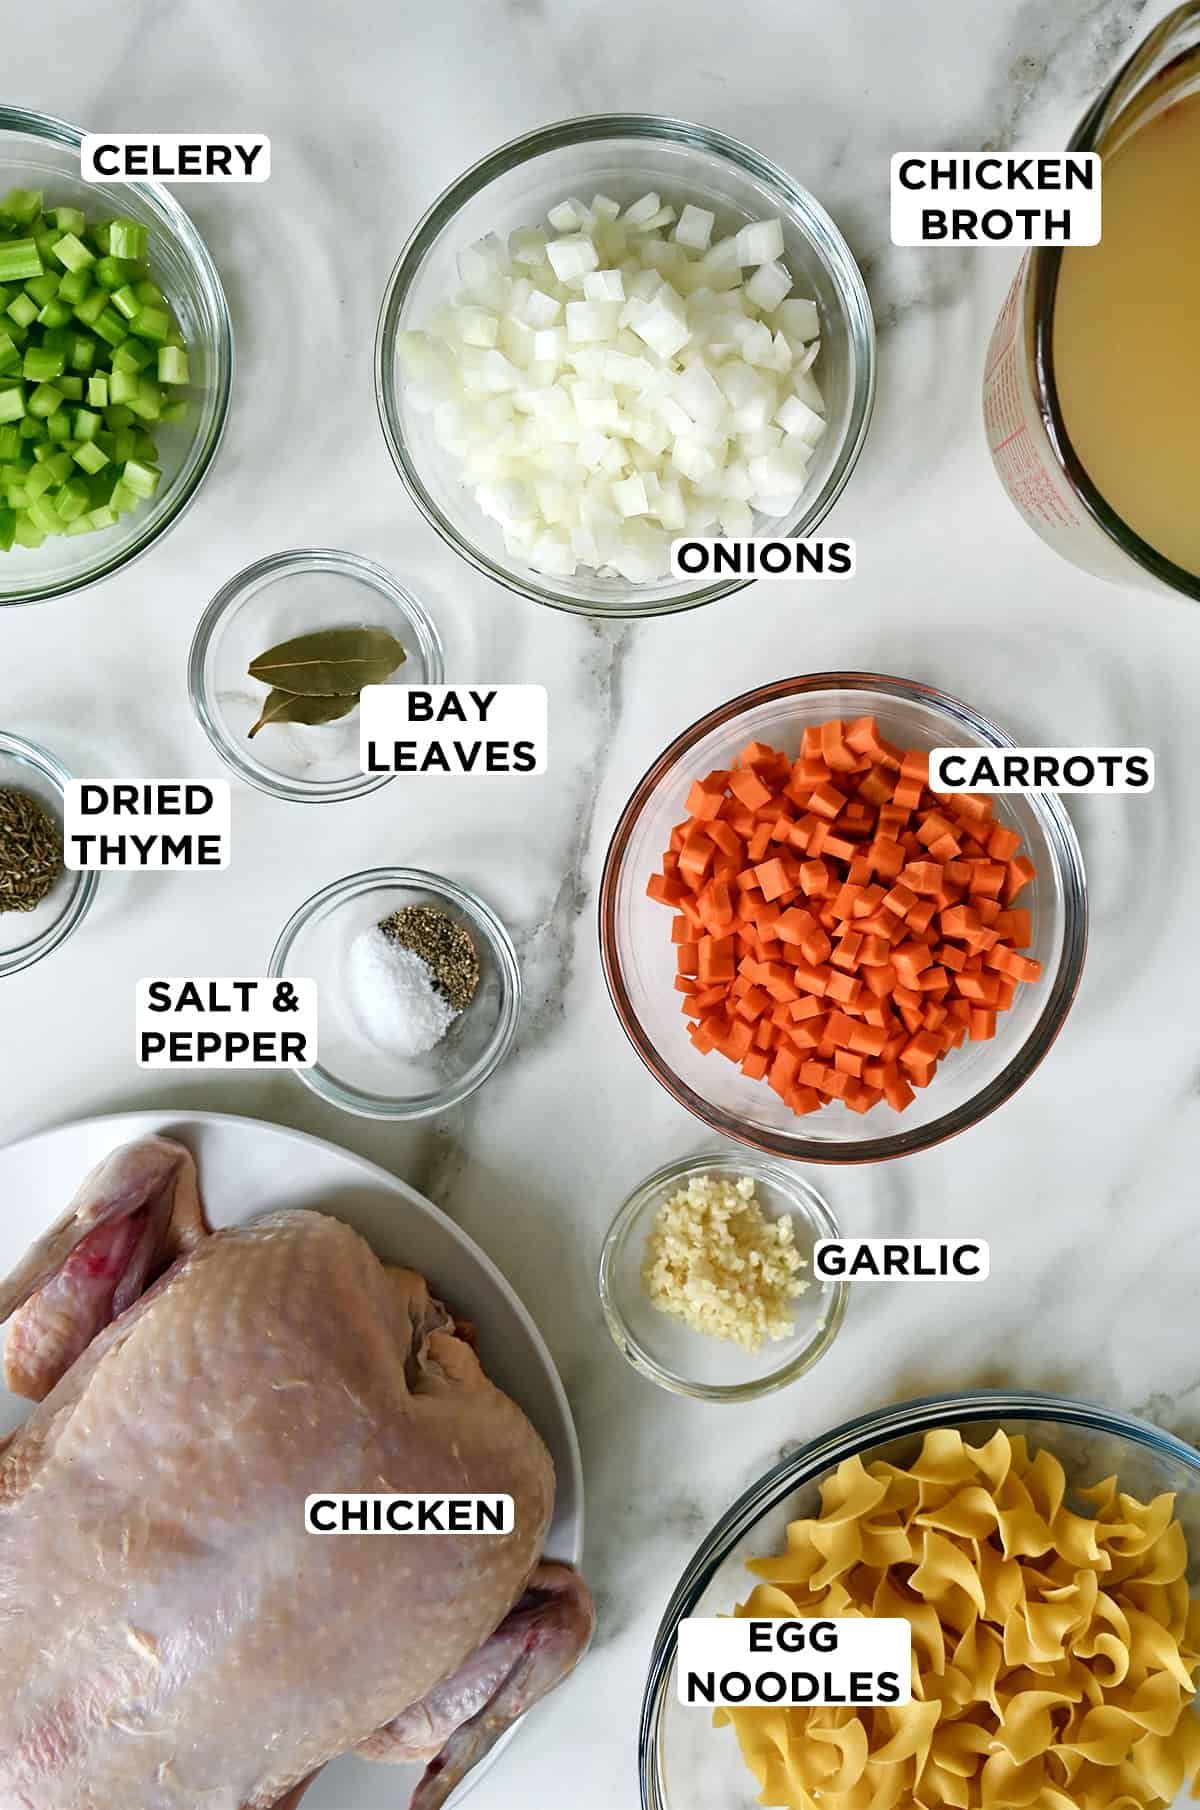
[{"x": 247, "y": 1167}]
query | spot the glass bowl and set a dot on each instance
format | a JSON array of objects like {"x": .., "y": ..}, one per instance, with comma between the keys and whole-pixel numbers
[
  {"x": 622, "y": 155},
  {"x": 274, "y": 600},
  {"x": 686, "y": 1764},
  {"x": 692, "y": 1363},
  {"x": 354, "y": 1073},
  {"x": 26, "y": 936},
  {"x": 639, "y": 959},
  {"x": 40, "y": 152}
]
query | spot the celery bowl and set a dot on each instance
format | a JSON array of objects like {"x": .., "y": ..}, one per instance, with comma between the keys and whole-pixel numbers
[
  {"x": 41, "y": 153},
  {"x": 622, "y": 157}
]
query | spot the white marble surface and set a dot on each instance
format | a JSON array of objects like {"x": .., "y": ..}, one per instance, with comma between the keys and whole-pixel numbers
[{"x": 1086, "y": 1182}]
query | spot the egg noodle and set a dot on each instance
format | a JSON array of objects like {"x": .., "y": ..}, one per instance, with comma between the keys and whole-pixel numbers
[{"x": 1053, "y": 1653}]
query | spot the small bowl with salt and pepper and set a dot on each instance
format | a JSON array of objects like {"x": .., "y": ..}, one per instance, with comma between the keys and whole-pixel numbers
[
  {"x": 419, "y": 988},
  {"x": 41, "y": 901}
]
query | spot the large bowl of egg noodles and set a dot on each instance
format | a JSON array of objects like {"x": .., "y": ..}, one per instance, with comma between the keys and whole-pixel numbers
[{"x": 1045, "y": 1552}]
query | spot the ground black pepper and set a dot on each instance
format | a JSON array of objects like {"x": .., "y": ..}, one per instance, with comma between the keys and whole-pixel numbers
[
  {"x": 452, "y": 957},
  {"x": 30, "y": 850}
]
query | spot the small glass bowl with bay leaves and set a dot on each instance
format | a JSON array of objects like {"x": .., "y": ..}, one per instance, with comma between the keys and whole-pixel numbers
[{"x": 280, "y": 656}]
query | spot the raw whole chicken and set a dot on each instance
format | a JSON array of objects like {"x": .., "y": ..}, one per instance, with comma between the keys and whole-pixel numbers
[{"x": 173, "y": 1639}]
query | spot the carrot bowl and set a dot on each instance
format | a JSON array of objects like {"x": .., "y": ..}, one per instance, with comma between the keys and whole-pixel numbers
[{"x": 742, "y": 1097}]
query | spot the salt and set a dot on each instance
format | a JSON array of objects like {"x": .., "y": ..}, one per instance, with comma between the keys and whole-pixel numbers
[{"x": 393, "y": 994}]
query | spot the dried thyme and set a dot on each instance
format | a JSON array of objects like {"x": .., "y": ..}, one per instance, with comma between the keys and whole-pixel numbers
[
  {"x": 444, "y": 945},
  {"x": 30, "y": 851}
]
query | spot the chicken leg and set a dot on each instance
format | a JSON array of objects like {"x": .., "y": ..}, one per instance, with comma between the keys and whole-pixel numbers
[{"x": 537, "y": 1644}]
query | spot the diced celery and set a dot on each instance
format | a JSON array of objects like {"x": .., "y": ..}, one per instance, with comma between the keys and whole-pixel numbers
[
  {"x": 123, "y": 386},
  {"x": 72, "y": 253},
  {"x": 91, "y": 307},
  {"x": 147, "y": 404},
  {"x": 87, "y": 343},
  {"x": 133, "y": 355},
  {"x": 43, "y": 514},
  {"x": 39, "y": 481},
  {"x": 90, "y": 457},
  {"x": 43, "y": 288},
  {"x": 45, "y": 400},
  {"x": 114, "y": 273},
  {"x": 42, "y": 364},
  {"x": 172, "y": 365},
  {"x": 74, "y": 286},
  {"x": 127, "y": 238},
  {"x": 19, "y": 258},
  {"x": 152, "y": 323},
  {"x": 72, "y": 500},
  {"x": 55, "y": 314},
  {"x": 141, "y": 479},
  {"x": 111, "y": 327},
  {"x": 57, "y": 462},
  {"x": 23, "y": 309},
  {"x": 22, "y": 206}
]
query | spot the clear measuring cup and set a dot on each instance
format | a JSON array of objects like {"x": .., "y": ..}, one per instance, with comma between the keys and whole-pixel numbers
[{"x": 1030, "y": 447}]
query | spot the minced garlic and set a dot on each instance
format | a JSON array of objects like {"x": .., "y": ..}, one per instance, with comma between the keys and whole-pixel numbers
[{"x": 716, "y": 1262}]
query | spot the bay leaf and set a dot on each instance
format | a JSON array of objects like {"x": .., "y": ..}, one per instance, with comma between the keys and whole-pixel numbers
[
  {"x": 331, "y": 662},
  {"x": 290, "y": 707}
]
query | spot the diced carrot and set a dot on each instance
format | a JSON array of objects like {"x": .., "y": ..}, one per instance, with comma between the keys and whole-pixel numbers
[
  {"x": 905, "y": 940},
  {"x": 772, "y": 877},
  {"x": 896, "y": 1090},
  {"x": 759, "y": 843},
  {"x": 749, "y": 789},
  {"x": 834, "y": 751},
  {"x": 666, "y": 892},
  {"x": 814, "y": 879},
  {"x": 707, "y": 795},
  {"x": 726, "y": 839},
  {"x": 900, "y": 900},
  {"x": 1002, "y": 844},
  {"x": 827, "y": 801},
  {"x": 1020, "y": 871}
]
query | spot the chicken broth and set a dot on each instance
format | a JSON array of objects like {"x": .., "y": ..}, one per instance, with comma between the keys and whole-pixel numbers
[{"x": 1125, "y": 341}]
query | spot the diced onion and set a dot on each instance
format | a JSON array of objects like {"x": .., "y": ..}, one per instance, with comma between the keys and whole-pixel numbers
[{"x": 621, "y": 378}]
